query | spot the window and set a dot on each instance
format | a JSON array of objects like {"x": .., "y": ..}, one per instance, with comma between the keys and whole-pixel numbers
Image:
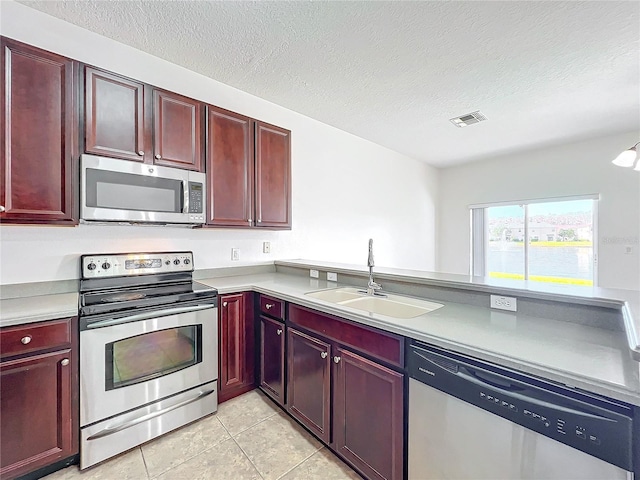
[{"x": 548, "y": 240}]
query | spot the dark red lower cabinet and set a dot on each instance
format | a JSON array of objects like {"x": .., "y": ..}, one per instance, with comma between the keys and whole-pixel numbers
[
  {"x": 272, "y": 359},
  {"x": 308, "y": 382},
  {"x": 367, "y": 415},
  {"x": 237, "y": 345}
]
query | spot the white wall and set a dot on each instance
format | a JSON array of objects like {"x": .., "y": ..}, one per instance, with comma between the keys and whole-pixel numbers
[
  {"x": 345, "y": 189},
  {"x": 571, "y": 169}
]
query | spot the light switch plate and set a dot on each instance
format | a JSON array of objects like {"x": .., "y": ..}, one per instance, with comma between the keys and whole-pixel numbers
[
  {"x": 332, "y": 277},
  {"x": 314, "y": 273}
]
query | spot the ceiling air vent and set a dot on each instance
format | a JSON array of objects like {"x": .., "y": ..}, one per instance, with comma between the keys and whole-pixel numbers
[{"x": 468, "y": 119}]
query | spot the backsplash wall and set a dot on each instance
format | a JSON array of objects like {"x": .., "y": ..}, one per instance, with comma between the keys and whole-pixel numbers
[{"x": 344, "y": 189}]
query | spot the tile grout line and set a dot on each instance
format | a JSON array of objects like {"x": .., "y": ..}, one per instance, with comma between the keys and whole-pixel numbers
[
  {"x": 192, "y": 456},
  {"x": 298, "y": 464},
  {"x": 250, "y": 426},
  {"x": 144, "y": 461},
  {"x": 248, "y": 458}
]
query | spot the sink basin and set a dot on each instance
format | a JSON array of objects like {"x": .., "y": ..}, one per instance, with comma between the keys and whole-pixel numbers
[{"x": 396, "y": 306}]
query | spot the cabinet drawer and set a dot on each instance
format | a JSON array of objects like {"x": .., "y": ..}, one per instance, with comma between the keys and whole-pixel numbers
[
  {"x": 272, "y": 307},
  {"x": 35, "y": 336},
  {"x": 382, "y": 345}
]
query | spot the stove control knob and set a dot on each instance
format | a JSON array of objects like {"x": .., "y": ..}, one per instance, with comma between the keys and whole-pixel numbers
[
  {"x": 187, "y": 261},
  {"x": 91, "y": 266},
  {"x": 167, "y": 262},
  {"x": 176, "y": 262},
  {"x": 106, "y": 266}
]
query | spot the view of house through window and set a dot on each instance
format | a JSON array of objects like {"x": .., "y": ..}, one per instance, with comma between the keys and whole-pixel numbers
[{"x": 543, "y": 241}]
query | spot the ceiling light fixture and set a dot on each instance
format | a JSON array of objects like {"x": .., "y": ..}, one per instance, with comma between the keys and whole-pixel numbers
[{"x": 628, "y": 158}]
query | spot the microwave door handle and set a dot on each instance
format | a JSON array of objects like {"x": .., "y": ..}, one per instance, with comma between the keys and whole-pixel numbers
[{"x": 185, "y": 196}]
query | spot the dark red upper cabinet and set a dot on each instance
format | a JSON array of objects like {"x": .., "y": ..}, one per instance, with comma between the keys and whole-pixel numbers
[
  {"x": 229, "y": 169},
  {"x": 39, "y": 136},
  {"x": 273, "y": 176},
  {"x": 114, "y": 116},
  {"x": 177, "y": 131}
]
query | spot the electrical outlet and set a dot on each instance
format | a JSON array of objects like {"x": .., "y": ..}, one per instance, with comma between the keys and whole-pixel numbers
[
  {"x": 314, "y": 273},
  {"x": 266, "y": 247},
  {"x": 235, "y": 254},
  {"x": 628, "y": 249},
  {"x": 503, "y": 303},
  {"x": 332, "y": 277}
]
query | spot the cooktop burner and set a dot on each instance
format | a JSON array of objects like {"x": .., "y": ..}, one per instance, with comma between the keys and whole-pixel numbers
[
  {"x": 117, "y": 283},
  {"x": 122, "y": 297}
]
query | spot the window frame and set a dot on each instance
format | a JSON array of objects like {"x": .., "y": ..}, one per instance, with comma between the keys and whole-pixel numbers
[{"x": 478, "y": 218}]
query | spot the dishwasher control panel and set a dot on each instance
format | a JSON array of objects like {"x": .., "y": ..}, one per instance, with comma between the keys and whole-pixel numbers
[{"x": 594, "y": 425}]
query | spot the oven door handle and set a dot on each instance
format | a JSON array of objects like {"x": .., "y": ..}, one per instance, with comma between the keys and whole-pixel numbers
[
  {"x": 148, "y": 315},
  {"x": 111, "y": 430}
]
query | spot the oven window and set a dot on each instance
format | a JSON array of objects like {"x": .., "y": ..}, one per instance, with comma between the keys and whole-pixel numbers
[{"x": 150, "y": 355}]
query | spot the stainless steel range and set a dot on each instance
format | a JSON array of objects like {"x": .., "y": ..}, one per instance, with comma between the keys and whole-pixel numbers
[{"x": 148, "y": 350}]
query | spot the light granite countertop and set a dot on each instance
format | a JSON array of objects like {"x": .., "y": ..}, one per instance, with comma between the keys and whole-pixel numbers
[
  {"x": 584, "y": 357},
  {"x": 18, "y": 311}
]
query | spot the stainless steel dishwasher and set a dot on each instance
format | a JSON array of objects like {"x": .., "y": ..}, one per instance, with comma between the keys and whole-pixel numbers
[{"x": 469, "y": 420}]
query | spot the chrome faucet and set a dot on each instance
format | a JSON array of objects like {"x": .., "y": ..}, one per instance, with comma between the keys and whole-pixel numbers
[{"x": 371, "y": 286}]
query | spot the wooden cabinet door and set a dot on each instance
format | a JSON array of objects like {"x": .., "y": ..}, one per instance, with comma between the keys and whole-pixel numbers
[
  {"x": 272, "y": 358},
  {"x": 229, "y": 169},
  {"x": 368, "y": 416},
  {"x": 273, "y": 176},
  {"x": 39, "y": 136},
  {"x": 35, "y": 406},
  {"x": 177, "y": 131},
  {"x": 308, "y": 382},
  {"x": 237, "y": 352},
  {"x": 114, "y": 116}
]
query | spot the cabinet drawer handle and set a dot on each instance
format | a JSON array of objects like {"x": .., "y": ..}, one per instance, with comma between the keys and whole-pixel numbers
[
  {"x": 26, "y": 340},
  {"x": 64, "y": 362},
  {"x": 336, "y": 359},
  {"x": 1, "y": 208},
  {"x": 141, "y": 153},
  {"x": 279, "y": 331},
  {"x": 268, "y": 306},
  {"x": 324, "y": 354},
  {"x": 158, "y": 156},
  {"x": 224, "y": 304}
]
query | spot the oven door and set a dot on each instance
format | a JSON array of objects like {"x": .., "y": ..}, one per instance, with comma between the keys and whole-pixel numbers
[{"x": 126, "y": 364}]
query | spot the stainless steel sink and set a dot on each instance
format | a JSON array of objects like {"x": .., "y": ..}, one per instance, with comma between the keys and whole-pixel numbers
[{"x": 396, "y": 306}]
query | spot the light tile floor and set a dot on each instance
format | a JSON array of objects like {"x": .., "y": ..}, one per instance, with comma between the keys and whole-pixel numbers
[{"x": 248, "y": 438}]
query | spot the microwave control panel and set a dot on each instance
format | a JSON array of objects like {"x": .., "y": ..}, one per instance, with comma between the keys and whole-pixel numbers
[{"x": 196, "y": 200}]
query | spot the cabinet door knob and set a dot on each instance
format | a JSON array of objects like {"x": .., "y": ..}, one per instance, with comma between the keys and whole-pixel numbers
[
  {"x": 26, "y": 340},
  {"x": 158, "y": 156},
  {"x": 324, "y": 354},
  {"x": 2, "y": 208},
  {"x": 224, "y": 304},
  {"x": 141, "y": 153},
  {"x": 268, "y": 306},
  {"x": 336, "y": 359},
  {"x": 64, "y": 362},
  {"x": 279, "y": 331}
]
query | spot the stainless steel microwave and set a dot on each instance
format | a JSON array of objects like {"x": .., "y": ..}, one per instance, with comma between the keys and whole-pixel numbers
[{"x": 124, "y": 191}]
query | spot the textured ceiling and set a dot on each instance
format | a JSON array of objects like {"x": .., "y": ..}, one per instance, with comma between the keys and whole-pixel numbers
[{"x": 395, "y": 72}]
